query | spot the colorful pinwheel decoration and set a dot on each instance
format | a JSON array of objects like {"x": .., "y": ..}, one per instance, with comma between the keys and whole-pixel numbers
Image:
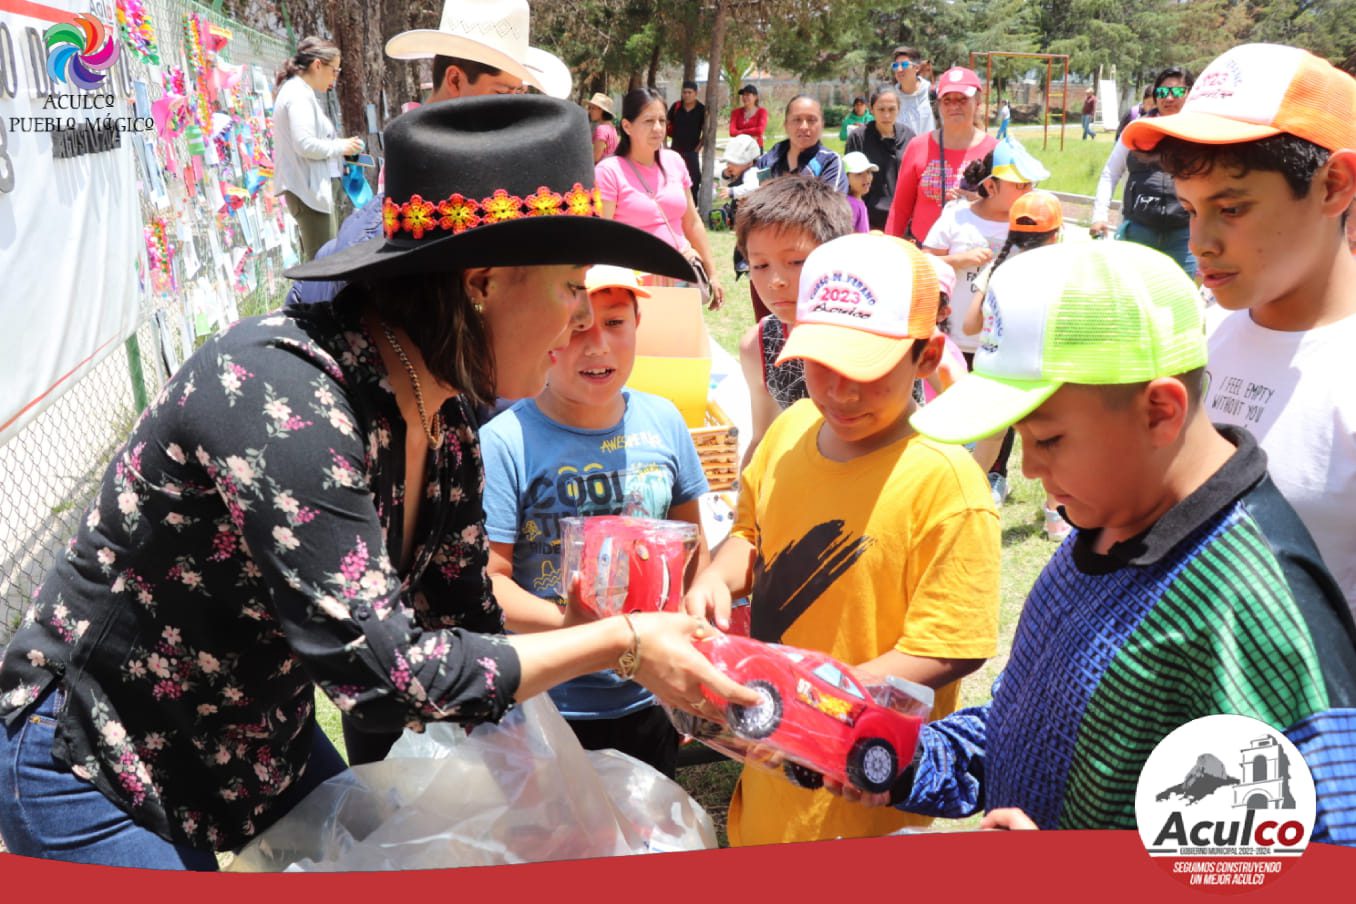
[{"x": 80, "y": 52}]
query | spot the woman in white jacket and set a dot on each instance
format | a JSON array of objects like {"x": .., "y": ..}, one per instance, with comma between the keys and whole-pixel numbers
[{"x": 307, "y": 155}]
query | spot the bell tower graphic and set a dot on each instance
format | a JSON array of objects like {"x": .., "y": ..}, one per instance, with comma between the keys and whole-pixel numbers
[{"x": 1266, "y": 777}]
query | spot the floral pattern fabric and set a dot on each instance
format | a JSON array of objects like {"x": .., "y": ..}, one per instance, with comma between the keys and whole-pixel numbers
[{"x": 241, "y": 550}]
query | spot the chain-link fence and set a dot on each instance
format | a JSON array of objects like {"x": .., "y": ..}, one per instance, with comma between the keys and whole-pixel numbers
[
  {"x": 248, "y": 45},
  {"x": 50, "y": 470}
]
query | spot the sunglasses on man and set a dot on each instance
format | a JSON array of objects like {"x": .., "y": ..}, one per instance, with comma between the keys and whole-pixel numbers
[
  {"x": 1173, "y": 91},
  {"x": 901, "y": 65}
]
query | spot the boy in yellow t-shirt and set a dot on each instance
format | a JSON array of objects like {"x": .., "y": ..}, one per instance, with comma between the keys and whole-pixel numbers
[{"x": 855, "y": 535}]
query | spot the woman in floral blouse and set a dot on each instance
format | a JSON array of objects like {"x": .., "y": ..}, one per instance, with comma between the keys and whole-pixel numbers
[{"x": 301, "y": 506}]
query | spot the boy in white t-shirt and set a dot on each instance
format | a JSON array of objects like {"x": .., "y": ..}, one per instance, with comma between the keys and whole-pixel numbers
[{"x": 1267, "y": 171}]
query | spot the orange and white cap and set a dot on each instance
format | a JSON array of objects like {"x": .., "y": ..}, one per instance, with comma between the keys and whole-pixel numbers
[
  {"x": 1255, "y": 91},
  {"x": 607, "y": 276},
  {"x": 1036, "y": 211},
  {"x": 863, "y": 299}
]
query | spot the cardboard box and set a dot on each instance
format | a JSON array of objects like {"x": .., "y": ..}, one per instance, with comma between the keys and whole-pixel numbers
[{"x": 673, "y": 351}]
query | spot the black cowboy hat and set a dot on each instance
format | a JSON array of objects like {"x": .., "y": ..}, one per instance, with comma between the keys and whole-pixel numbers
[{"x": 495, "y": 181}]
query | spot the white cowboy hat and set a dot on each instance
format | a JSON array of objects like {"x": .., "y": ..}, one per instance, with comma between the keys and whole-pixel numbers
[{"x": 493, "y": 32}]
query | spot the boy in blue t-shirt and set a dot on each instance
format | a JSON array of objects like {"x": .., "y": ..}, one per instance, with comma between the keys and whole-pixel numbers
[{"x": 587, "y": 446}]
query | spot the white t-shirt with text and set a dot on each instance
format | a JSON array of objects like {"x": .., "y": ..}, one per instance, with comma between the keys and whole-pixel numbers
[{"x": 1294, "y": 392}]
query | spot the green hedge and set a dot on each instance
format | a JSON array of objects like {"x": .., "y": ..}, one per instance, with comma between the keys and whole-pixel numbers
[{"x": 834, "y": 114}]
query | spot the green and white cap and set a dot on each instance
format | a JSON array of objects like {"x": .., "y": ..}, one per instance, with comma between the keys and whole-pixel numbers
[{"x": 1099, "y": 313}]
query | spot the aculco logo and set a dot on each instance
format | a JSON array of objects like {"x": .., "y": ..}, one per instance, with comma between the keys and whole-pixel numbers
[
  {"x": 1211, "y": 833},
  {"x": 1225, "y": 801}
]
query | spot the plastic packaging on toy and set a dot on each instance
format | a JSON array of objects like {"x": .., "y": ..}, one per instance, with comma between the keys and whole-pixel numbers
[
  {"x": 520, "y": 791},
  {"x": 627, "y": 564},
  {"x": 818, "y": 717}
]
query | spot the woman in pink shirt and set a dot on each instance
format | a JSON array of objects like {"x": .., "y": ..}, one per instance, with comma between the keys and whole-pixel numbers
[
  {"x": 929, "y": 173},
  {"x": 647, "y": 186},
  {"x": 749, "y": 118}
]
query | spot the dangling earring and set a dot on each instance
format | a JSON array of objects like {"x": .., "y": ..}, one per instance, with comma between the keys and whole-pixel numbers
[{"x": 478, "y": 307}]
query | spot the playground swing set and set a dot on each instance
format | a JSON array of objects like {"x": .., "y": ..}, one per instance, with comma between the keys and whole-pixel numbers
[{"x": 1051, "y": 60}]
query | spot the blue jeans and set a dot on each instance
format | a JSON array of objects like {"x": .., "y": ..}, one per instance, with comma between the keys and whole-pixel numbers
[
  {"x": 1002, "y": 129},
  {"x": 1172, "y": 242},
  {"x": 45, "y": 811},
  {"x": 1087, "y": 126}
]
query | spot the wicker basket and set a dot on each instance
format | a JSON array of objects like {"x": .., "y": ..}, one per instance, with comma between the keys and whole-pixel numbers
[{"x": 718, "y": 447}]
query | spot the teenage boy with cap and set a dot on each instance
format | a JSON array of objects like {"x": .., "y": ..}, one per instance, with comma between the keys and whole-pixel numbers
[
  {"x": 636, "y": 456},
  {"x": 480, "y": 48},
  {"x": 1189, "y": 588},
  {"x": 856, "y": 536},
  {"x": 1263, "y": 156}
]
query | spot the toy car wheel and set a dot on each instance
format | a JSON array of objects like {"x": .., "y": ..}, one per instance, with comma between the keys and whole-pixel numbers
[
  {"x": 871, "y": 764},
  {"x": 761, "y": 720},
  {"x": 802, "y": 777}
]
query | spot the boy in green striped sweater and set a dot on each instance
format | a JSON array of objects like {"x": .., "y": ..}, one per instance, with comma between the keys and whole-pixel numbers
[{"x": 1189, "y": 587}]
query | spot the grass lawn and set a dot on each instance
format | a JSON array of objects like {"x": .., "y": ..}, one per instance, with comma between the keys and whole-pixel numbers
[{"x": 1076, "y": 168}]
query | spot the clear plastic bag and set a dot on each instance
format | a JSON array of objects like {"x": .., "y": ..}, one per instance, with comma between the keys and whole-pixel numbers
[
  {"x": 521, "y": 791},
  {"x": 818, "y": 717},
  {"x": 626, "y": 564}
]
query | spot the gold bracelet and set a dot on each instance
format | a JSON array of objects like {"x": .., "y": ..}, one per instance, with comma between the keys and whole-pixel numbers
[{"x": 629, "y": 662}]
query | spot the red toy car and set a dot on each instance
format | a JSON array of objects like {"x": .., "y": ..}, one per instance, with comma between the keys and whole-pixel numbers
[
  {"x": 820, "y": 717},
  {"x": 627, "y": 564}
]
